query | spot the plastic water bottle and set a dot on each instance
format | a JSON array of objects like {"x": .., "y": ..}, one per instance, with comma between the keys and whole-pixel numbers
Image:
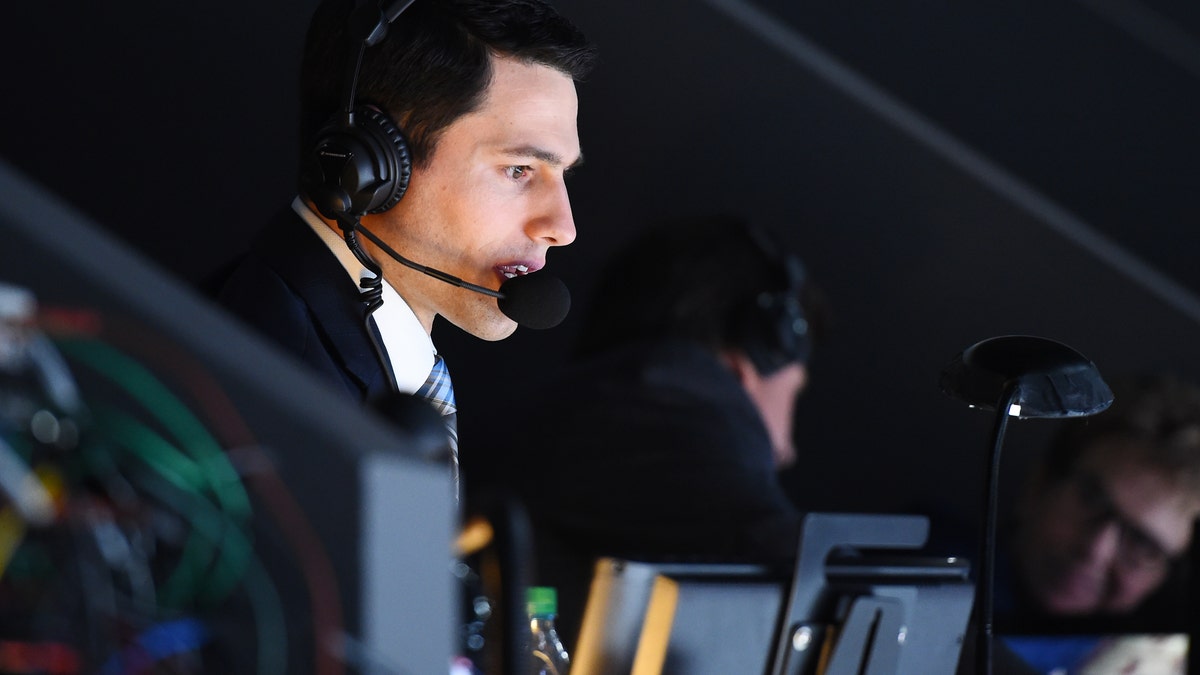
[{"x": 547, "y": 656}]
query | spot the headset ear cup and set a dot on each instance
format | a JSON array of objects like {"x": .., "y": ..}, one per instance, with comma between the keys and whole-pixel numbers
[
  {"x": 394, "y": 155},
  {"x": 774, "y": 326},
  {"x": 773, "y": 330},
  {"x": 762, "y": 334},
  {"x": 359, "y": 169}
]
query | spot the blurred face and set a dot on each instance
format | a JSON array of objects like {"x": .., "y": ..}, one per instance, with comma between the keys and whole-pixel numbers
[
  {"x": 491, "y": 200},
  {"x": 1102, "y": 539},
  {"x": 775, "y": 397}
]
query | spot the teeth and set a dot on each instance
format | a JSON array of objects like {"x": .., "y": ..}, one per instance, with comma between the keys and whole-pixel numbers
[
  {"x": 510, "y": 274},
  {"x": 522, "y": 269}
]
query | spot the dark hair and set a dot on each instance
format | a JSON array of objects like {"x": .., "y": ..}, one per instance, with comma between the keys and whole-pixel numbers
[
  {"x": 698, "y": 279},
  {"x": 1160, "y": 413},
  {"x": 434, "y": 64}
]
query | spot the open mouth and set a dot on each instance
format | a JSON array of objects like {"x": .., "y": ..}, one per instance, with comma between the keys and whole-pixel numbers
[{"x": 510, "y": 271}]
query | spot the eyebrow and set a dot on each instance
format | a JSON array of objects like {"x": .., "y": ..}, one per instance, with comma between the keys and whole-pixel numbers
[{"x": 551, "y": 158}]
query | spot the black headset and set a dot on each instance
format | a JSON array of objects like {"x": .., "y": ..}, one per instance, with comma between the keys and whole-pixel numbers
[
  {"x": 773, "y": 330},
  {"x": 359, "y": 162}
]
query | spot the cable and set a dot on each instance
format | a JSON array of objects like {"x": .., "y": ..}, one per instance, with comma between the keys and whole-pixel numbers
[
  {"x": 270, "y": 624},
  {"x": 372, "y": 292},
  {"x": 260, "y": 475},
  {"x": 208, "y": 465},
  {"x": 196, "y": 465},
  {"x": 184, "y": 474},
  {"x": 107, "y": 591},
  {"x": 162, "y": 403}
]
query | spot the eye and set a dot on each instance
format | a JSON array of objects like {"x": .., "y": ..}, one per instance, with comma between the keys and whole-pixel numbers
[
  {"x": 516, "y": 172},
  {"x": 1140, "y": 549}
]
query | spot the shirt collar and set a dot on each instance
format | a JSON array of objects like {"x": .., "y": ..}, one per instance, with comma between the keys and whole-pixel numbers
[{"x": 410, "y": 349}]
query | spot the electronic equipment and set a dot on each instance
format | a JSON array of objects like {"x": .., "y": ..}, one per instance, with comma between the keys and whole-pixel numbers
[
  {"x": 292, "y": 531},
  {"x": 861, "y": 599}
]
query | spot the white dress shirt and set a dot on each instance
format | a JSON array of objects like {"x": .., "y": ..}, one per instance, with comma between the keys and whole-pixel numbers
[{"x": 409, "y": 347}]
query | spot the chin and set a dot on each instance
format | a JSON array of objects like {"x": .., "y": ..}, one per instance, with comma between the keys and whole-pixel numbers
[
  {"x": 491, "y": 328},
  {"x": 1072, "y": 608},
  {"x": 1072, "y": 603},
  {"x": 496, "y": 336},
  {"x": 480, "y": 319}
]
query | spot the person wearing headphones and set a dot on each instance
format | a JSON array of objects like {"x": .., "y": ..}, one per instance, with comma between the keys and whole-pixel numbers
[
  {"x": 663, "y": 438},
  {"x": 437, "y": 133}
]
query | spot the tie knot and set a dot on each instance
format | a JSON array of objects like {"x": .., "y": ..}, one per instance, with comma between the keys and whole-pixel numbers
[{"x": 437, "y": 388}]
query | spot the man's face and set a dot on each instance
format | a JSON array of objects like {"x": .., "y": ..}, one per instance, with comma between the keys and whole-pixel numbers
[
  {"x": 490, "y": 201},
  {"x": 1103, "y": 538}
]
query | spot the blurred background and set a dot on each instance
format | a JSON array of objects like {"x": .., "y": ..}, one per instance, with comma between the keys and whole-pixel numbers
[{"x": 948, "y": 171}]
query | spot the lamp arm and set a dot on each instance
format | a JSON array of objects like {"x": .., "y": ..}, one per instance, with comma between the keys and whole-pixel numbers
[{"x": 987, "y": 545}]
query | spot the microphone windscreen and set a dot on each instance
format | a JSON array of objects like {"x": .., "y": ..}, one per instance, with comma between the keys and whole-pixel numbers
[{"x": 536, "y": 300}]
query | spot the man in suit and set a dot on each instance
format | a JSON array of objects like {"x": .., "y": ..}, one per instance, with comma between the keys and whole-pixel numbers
[
  {"x": 463, "y": 125},
  {"x": 447, "y": 148}
]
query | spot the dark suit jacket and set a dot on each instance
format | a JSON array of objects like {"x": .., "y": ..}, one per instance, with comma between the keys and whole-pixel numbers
[
  {"x": 653, "y": 452},
  {"x": 294, "y": 291}
]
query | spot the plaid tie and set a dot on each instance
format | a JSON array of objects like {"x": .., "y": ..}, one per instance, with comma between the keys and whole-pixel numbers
[{"x": 440, "y": 394}]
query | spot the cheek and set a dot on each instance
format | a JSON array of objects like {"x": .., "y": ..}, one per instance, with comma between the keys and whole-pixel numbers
[
  {"x": 1055, "y": 530},
  {"x": 779, "y": 409},
  {"x": 1133, "y": 587},
  {"x": 449, "y": 193},
  {"x": 779, "y": 421}
]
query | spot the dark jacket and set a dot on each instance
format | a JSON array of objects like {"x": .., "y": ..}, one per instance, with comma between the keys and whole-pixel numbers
[
  {"x": 294, "y": 291},
  {"x": 654, "y": 451}
]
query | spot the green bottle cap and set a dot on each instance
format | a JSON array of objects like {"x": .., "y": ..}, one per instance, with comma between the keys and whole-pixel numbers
[{"x": 541, "y": 601}]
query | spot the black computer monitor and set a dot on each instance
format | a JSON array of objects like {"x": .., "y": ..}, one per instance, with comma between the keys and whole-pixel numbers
[{"x": 861, "y": 598}]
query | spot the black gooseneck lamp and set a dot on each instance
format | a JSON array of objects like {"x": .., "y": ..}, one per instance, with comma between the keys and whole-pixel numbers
[{"x": 1025, "y": 377}]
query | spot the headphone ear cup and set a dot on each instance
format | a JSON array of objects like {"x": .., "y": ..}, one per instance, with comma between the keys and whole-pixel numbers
[
  {"x": 763, "y": 336},
  {"x": 358, "y": 169},
  {"x": 394, "y": 154},
  {"x": 774, "y": 328}
]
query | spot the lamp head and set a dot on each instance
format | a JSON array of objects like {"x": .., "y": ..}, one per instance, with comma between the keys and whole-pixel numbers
[{"x": 1050, "y": 379}]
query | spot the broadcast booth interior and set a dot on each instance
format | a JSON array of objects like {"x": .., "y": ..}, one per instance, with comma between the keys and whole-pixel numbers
[
  {"x": 345, "y": 524},
  {"x": 371, "y": 506},
  {"x": 325, "y": 535}
]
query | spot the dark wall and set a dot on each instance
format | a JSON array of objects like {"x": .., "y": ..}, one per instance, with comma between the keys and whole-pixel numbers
[
  {"x": 170, "y": 123},
  {"x": 949, "y": 172}
]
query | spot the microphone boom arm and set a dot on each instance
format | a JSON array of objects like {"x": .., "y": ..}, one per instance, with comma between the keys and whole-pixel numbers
[{"x": 435, "y": 273}]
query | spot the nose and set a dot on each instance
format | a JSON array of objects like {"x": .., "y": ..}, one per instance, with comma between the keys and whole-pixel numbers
[
  {"x": 554, "y": 222},
  {"x": 1102, "y": 544}
]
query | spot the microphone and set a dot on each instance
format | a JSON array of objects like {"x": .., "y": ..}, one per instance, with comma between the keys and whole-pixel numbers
[{"x": 537, "y": 300}]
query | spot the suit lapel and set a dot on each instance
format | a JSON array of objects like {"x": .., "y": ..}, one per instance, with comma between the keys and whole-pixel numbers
[{"x": 332, "y": 298}]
